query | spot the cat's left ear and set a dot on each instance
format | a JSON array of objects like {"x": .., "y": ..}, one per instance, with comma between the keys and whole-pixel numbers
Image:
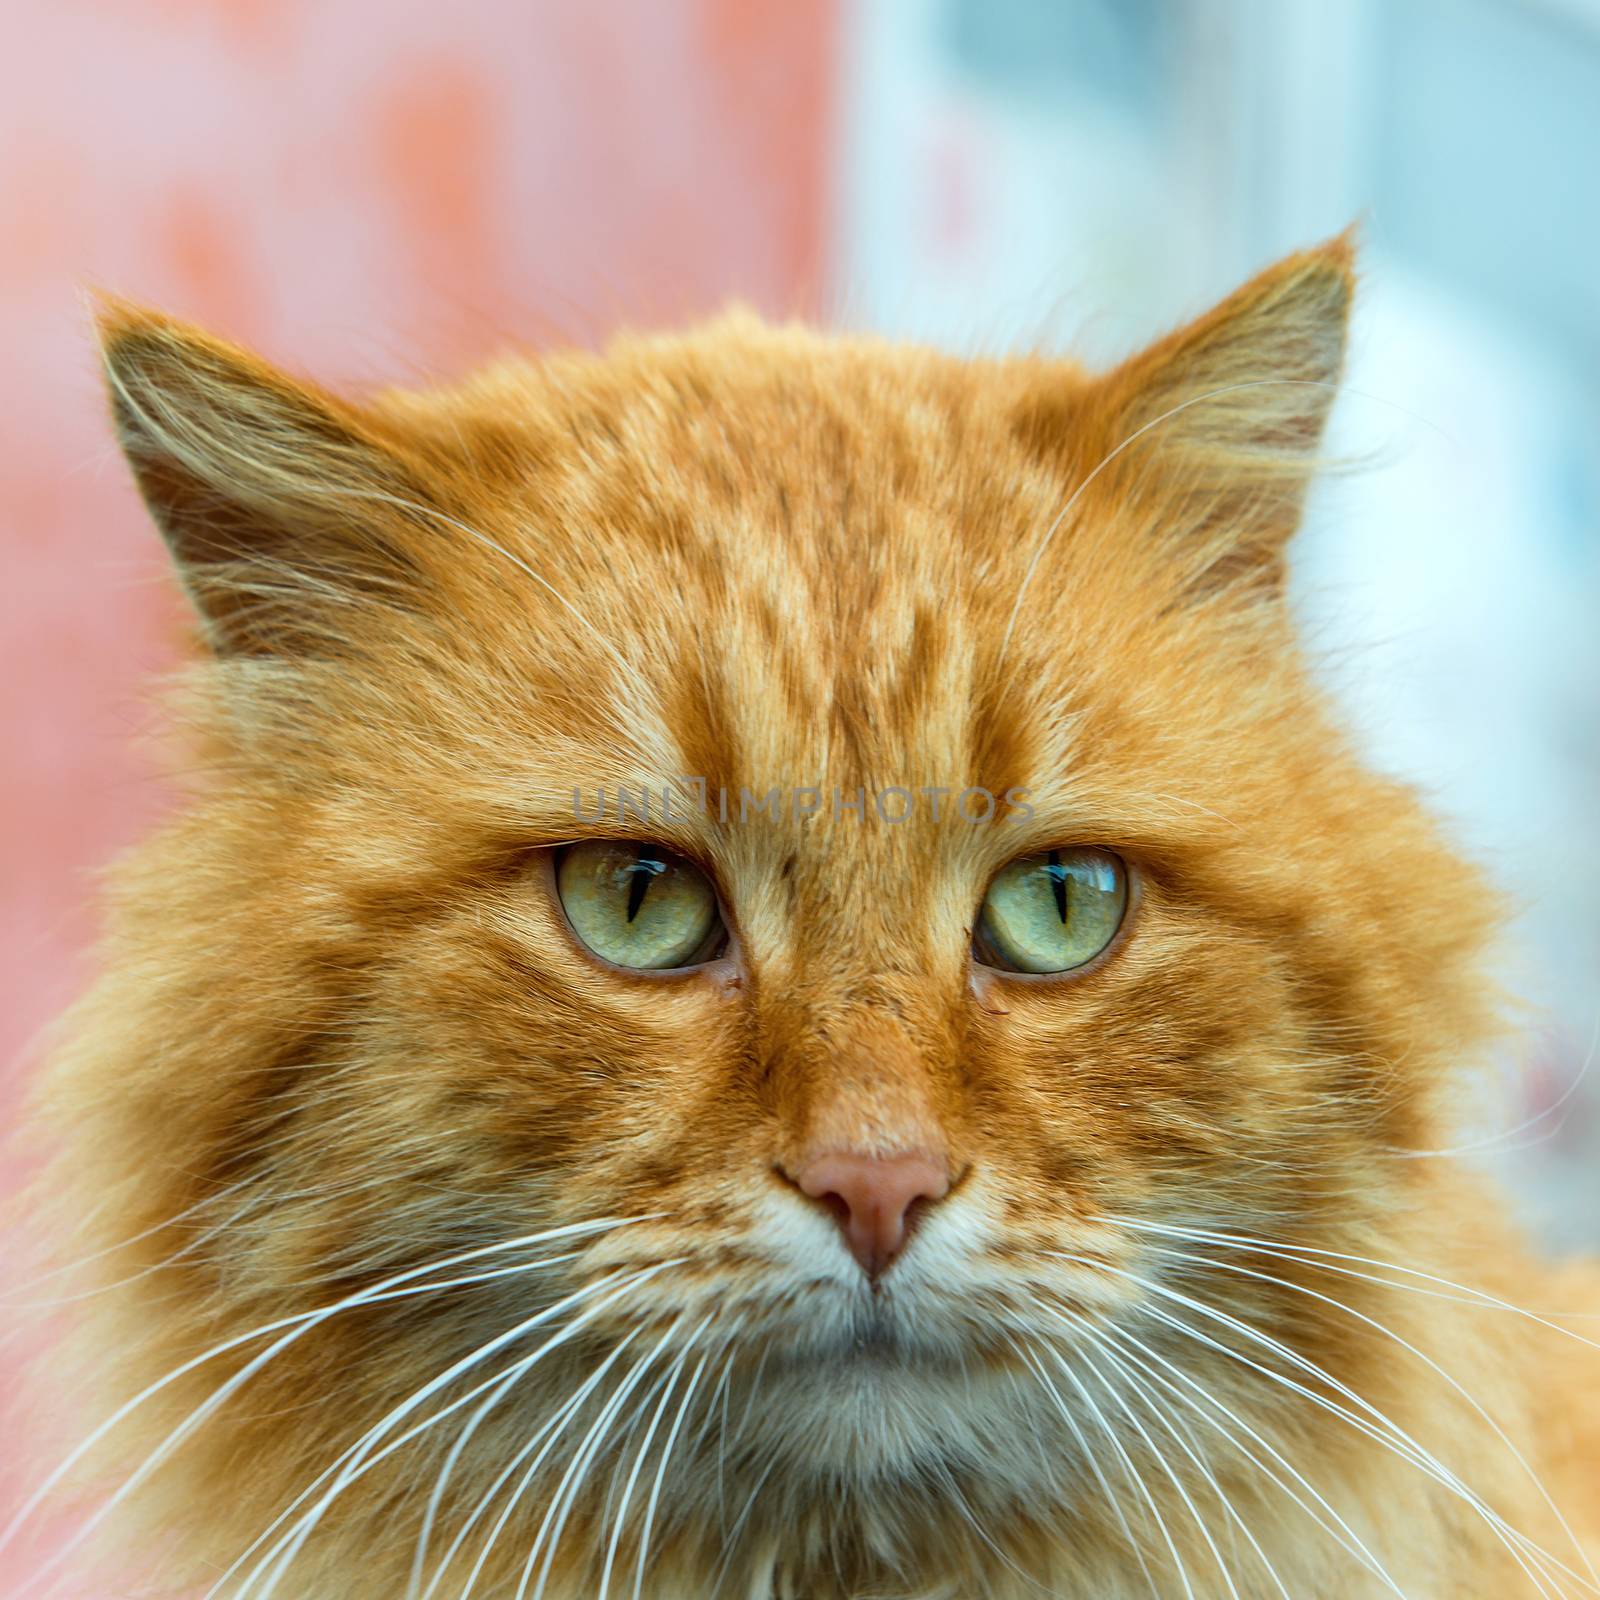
[
  {"x": 283, "y": 506},
  {"x": 1215, "y": 431}
]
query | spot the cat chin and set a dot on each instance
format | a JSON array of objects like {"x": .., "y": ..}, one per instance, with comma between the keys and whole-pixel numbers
[{"x": 884, "y": 1419}]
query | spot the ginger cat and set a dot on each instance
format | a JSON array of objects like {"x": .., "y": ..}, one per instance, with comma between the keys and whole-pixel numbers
[{"x": 774, "y": 982}]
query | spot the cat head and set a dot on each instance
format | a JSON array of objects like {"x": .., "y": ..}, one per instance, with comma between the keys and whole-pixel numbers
[{"x": 754, "y": 869}]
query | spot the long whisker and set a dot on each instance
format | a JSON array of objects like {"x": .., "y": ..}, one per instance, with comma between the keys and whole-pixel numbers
[
  {"x": 1332, "y": 1261},
  {"x": 550, "y": 1429},
  {"x": 550, "y": 1433},
  {"x": 620, "y": 1516},
  {"x": 1134, "y": 1475},
  {"x": 730, "y": 1537},
  {"x": 561, "y": 1503},
  {"x": 1089, "y": 1456},
  {"x": 464, "y": 1364},
  {"x": 1383, "y": 1430},
  {"x": 399, "y": 1285},
  {"x": 1313, "y": 1256},
  {"x": 1342, "y": 1533},
  {"x": 952, "y": 1487},
  {"x": 501, "y": 1382},
  {"x": 719, "y": 1408},
  {"x": 1159, "y": 1456},
  {"x": 1421, "y": 1355},
  {"x": 345, "y": 1459},
  {"x": 1395, "y": 1440},
  {"x": 641, "y": 1561},
  {"x": 502, "y": 1385},
  {"x": 1141, "y": 1385}
]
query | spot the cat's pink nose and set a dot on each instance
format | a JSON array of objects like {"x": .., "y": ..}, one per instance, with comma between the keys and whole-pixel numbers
[{"x": 871, "y": 1198}]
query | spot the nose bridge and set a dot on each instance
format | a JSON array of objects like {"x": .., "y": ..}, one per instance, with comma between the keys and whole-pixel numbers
[
  {"x": 868, "y": 1069},
  {"x": 869, "y": 1112}
]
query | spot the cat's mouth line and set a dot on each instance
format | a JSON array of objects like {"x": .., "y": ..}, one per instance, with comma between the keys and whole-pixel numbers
[{"x": 813, "y": 1326}]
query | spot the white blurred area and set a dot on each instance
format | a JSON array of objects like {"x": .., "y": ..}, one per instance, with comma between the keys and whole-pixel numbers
[{"x": 1079, "y": 174}]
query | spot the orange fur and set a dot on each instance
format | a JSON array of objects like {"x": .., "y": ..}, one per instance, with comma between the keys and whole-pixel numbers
[{"x": 343, "y": 1032}]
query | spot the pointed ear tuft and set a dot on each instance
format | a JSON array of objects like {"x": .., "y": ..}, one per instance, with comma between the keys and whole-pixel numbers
[
  {"x": 275, "y": 499},
  {"x": 1256, "y": 375},
  {"x": 1214, "y": 432}
]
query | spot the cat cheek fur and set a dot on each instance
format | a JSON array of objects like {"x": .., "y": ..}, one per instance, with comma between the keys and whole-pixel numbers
[{"x": 345, "y": 1048}]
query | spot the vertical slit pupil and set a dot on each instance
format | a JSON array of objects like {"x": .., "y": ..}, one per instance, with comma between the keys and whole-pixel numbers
[
  {"x": 1058, "y": 882},
  {"x": 644, "y": 869}
]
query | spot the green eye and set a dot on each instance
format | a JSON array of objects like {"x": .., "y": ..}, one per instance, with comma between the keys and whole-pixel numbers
[
  {"x": 639, "y": 905},
  {"x": 1052, "y": 912}
]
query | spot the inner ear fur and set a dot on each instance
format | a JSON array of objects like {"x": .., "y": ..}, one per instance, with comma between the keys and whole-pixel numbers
[
  {"x": 1212, "y": 434},
  {"x": 279, "y": 502}
]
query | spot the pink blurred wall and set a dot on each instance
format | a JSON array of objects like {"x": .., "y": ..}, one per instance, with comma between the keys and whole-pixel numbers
[{"x": 362, "y": 190}]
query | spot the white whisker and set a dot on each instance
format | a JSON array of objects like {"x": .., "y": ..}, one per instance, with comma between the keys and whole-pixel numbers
[
  {"x": 1383, "y": 1430},
  {"x": 1141, "y": 1386},
  {"x": 560, "y": 1508},
  {"x": 641, "y": 1561},
  {"x": 551, "y": 1428},
  {"x": 550, "y": 1432},
  {"x": 501, "y": 1382},
  {"x": 1134, "y": 1475},
  {"x": 502, "y": 1385},
  {"x": 297, "y": 1327},
  {"x": 1314, "y": 1256},
  {"x": 464, "y": 1364},
  {"x": 1092, "y": 1460},
  {"x": 730, "y": 1536},
  {"x": 1424, "y": 1357},
  {"x": 1342, "y": 1533},
  {"x": 619, "y": 1517},
  {"x": 1160, "y": 1459}
]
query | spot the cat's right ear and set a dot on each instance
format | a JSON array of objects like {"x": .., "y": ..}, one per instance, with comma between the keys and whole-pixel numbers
[
  {"x": 281, "y": 504},
  {"x": 1213, "y": 434}
]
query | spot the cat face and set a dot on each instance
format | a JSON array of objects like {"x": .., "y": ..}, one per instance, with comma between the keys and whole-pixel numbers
[{"x": 483, "y": 924}]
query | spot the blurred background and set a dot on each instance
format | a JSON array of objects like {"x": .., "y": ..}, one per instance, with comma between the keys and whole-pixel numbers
[{"x": 378, "y": 193}]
